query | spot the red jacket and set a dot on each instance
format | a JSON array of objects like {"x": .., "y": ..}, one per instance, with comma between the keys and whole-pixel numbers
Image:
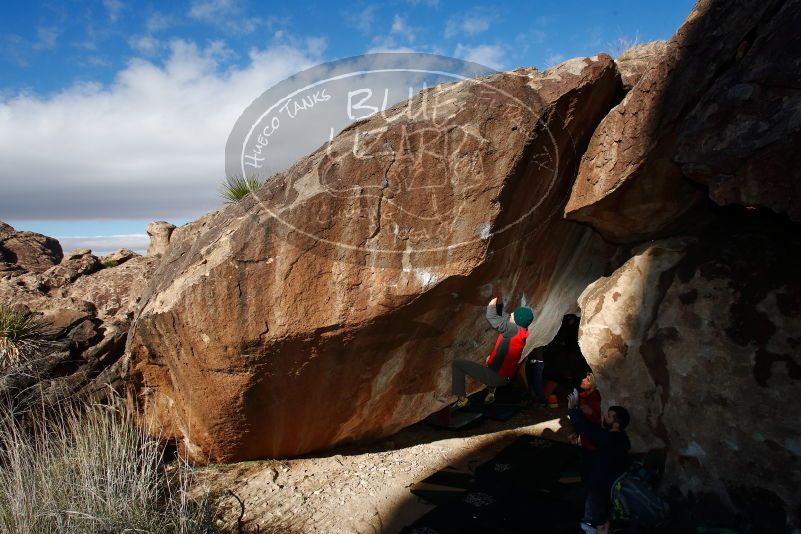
[
  {"x": 591, "y": 400},
  {"x": 508, "y": 347}
]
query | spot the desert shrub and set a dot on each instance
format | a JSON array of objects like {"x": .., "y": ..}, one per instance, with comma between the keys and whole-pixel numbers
[
  {"x": 110, "y": 263},
  {"x": 92, "y": 471},
  {"x": 237, "y": 187},
  {"x": 622, "y": 45},
  {"x": 22, "y": 334}
]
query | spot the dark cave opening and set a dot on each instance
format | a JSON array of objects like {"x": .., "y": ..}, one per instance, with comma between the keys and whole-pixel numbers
[{"x": 564, "y": 364}]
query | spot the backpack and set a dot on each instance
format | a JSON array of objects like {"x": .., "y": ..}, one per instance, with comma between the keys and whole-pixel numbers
[{"x": 635, "y": 501}]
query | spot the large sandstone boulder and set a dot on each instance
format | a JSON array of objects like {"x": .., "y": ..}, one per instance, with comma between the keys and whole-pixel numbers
[
  {"x": 328, "y": 305},
  {"x": 741, "y": 139},
  {"x": 699, "y": 338},
  {"x": 27, "y": 251},
  {"x": 720, "y": 108}
]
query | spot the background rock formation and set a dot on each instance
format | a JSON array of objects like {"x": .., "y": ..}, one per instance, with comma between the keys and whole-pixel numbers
[
  {"x": 699, "y": 338},
  {"x": 327, "y": 306},
  {"x": 27, "y": 250},
  {"x": 259, "y": 337},
  {"x": 719, "y": 109},
  {"x": 698, "y": 333},
  {"x": 160, "y": 233},
  {"x": 87, "y": 310}
]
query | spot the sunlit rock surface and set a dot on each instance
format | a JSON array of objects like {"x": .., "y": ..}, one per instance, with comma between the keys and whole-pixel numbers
[
  {"x": 86, "y": 311},
  {"x": 328, "y": 306},
  {"x": 699, "y": 338}
]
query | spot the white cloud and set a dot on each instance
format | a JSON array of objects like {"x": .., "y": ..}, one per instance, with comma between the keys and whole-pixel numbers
[
  {"x": 229, "y": 15},
  {"x": 158, "y": 22},
  {"x": 402, "y": 28},
  {"x": 14, "y": 49},
  {"x": 145, "y": 44},
  {"x": 469, "y": 24},
  {"x": 210, "y": 10},
  {"x": 387, "y": 44},
  {"x": 488, "y": 55},
  {"x": 150, "y": 145},
  {"x": 114, "y": 7},
  {"x": 102, "y": 245},
  {"x": 316, "y": 45},
  {"x": 554, "y": 59},
  {"x": 361, "y": 18},
  {"x": 47, "y": 36},
  {"x": 18, "y": 50}
]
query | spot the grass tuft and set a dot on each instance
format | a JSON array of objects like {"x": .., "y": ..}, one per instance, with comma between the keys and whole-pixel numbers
[
  {"x": 22, "y": 334},
  {"x": 622, "y": 45},
  {"x": 236, "y": 187},
  {"x": 93, "y": 471}
]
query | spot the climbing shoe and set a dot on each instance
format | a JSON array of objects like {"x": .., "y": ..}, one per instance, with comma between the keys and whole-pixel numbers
[{"x": 461, "y": 402}]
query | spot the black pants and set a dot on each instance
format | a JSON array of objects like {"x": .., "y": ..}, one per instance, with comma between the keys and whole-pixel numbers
[
  {"x": 597, "y": 504},
  {"x": 482, "y": 373},
  {"x": 534, "y": 374}
]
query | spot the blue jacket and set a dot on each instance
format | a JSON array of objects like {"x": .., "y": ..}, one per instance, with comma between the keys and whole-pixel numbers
[{"x": 609, "y": 459}]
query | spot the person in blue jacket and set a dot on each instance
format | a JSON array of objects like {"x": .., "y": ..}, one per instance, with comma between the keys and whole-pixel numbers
[{"x": 608, "y": 462}]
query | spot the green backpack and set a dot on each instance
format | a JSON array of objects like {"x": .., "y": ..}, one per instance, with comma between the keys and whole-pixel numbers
[{"x": 635, "y": 501}]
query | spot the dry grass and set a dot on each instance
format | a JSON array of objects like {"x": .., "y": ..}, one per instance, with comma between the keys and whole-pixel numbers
[
  {"x": 623, "y": 44},
  {"x": 92, "y": 471}
]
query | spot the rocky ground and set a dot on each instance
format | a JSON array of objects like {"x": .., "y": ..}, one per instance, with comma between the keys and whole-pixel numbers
[{"x": 362, "y": 489}]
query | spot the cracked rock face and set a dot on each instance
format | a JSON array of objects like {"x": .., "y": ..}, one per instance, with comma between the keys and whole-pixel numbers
[
  {"x": 327, "y": 306},
  {"x": 719, "y": 109},
  {"x": 699, "y": 339}
]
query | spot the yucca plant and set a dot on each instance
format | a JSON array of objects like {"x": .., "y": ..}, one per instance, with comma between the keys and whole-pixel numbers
[
  {"x": 237, "y": 187},
  {"x": 22, "y": 334}
]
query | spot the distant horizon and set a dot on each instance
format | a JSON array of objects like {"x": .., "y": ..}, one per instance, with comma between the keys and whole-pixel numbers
[{"x": 129, "y": 107}]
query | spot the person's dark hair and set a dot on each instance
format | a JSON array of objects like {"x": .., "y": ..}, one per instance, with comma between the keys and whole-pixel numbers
[{"x": 622, "y": 416}]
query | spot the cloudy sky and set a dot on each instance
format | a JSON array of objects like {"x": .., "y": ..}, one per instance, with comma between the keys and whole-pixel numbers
[{"x": 114, "y": 113}]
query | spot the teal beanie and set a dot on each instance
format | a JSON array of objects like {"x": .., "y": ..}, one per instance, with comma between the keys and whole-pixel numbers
[{"x": 523, "y": 316}]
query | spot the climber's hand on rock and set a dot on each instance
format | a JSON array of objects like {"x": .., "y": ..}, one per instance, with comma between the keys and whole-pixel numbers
[
  {"x": 493, "y": 301},
  {"x": 572, "y": 400}
]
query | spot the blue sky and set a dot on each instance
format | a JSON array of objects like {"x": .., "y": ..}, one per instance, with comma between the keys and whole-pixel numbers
[{"x": 114, "y": 113}]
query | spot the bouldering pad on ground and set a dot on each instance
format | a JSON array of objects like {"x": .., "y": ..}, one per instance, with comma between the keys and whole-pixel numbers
[
  {"x": 446, "y": 486},
  {"x": 497, "y": 411},
  {"x": 452, "y": 418},
  {"x": 517, "y": 491}
]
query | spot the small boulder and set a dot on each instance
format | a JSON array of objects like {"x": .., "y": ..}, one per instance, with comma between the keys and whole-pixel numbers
[
  {"x": 118, "y": 257},
  {"x": 76, "y": 263},
  {"x": 28, "y": 251},
  {"x": 160, "y": 233}
]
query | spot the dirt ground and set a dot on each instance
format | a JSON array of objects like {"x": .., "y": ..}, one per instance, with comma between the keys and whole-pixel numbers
[{"x": 361, "y": 489}]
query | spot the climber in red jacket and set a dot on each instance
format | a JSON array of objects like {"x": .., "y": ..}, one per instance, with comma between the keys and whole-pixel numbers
[
  {"x": 590, "y": 404},
  {"x": 501, "y": 365}
]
